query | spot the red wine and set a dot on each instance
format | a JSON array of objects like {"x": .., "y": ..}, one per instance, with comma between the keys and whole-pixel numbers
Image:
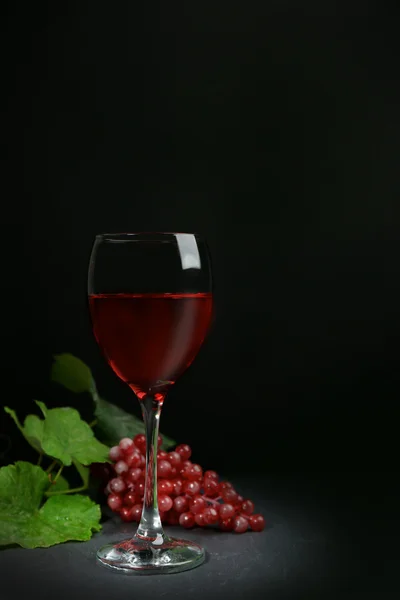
[{"x": 150, "y": 339}]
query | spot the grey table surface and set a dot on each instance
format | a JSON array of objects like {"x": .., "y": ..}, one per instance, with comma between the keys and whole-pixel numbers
[{"x": 311, "y": 548}]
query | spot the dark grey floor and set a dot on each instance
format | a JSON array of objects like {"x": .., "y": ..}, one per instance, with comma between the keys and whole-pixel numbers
[{"x": 317, "y": 545}]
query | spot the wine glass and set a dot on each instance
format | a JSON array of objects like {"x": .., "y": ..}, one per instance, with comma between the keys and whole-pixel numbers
[{"x": 150, "y": 302}]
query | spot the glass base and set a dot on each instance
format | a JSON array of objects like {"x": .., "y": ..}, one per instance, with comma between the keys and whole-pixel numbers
[{"x": 147, "y": 557}]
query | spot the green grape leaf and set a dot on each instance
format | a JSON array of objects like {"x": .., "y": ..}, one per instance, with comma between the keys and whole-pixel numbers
[
  {"x": 72, "y": 373},
  {"x": 32, "y": 430},
  {"x": 24, "y": 522},
  {"x": 14, "y": 417},
  {"x": 62, "y": 435},
  {"x": 21, "y": 489},
  {"x": 42, "y": 407},
  {"x": 84, "y": 472},
  {"x": 114, "y": 423},
  {"x": 67, "y": 437},
  {"x": 66, "y": 517}
]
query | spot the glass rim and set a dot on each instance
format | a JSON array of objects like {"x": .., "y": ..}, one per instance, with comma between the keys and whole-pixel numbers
[{"x": 129, "y": 234}]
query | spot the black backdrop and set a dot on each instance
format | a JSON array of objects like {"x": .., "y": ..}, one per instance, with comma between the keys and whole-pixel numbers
[{"x": 271, "y": 128}]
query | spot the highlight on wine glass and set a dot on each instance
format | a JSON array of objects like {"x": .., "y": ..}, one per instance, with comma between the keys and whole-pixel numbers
[{"x": 151, "y": 304}]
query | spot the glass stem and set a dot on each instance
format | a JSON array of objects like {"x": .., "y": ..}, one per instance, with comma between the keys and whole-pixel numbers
[{"x": 150, "y": 524}]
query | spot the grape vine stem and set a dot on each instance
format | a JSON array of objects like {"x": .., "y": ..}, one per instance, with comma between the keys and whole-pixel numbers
[
  {"x": 51, "y": 466},
  {"x": 212, "y": 500},
  {"x": 58, "y": 473},
  {"x": 70, "y": 491}
]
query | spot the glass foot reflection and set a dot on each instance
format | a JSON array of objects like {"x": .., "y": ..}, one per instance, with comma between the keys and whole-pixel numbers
[{"x": 162, "y": 555}]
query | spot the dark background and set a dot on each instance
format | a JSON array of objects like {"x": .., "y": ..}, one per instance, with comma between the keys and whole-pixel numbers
[{"x": 271, "y": 128}]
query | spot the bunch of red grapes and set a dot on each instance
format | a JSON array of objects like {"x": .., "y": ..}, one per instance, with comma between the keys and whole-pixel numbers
[{"x": 186, "y": 495}]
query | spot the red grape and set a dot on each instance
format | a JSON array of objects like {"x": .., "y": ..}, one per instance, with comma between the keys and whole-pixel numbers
[
  {"x": 193, "y": 473},
  {"x": 240, "y": 524},
  {"x": 130, "y": 498},
  {"x": 181, "y": 504},
  {"x": 117, "y": 485},
  {"x": 226, "y": 525},
  {"x": 165, "y": 486},
  {"x": 136, "y": 512},
  {"x": 226, "y": 511},
  {"x": 187, "y": 520},
  {"x": 162, "y": 455},
  {"x": 229, "y": 495},
  {"x": 197, "y": 505},
  {"x": 140, "y": 487},
  {"x": 199, "y": 518},
  {"x": 126, "y": 445},
  {"x": 211, "y": 475},
  {"x": 114, "y": 502},
  {"x": 174, "y": 458},
  {"x": 184, "y": 466},
  {"x": 114, "y": 453},
  {"x": 164, "y": 468},
  {"x": 164, "y": 502},
  {"x": 178, "y": 486},
  {"x": 210, "y": 515},
  {"x": 140, "y": 442},
  {"x": 257, "y": 522},
  {"x": 133, "y": 474},
  {"x": 191, "y": 487},
  {"x": 224, "y": 485},
  {"x": 134, "y": 459},
  {"x": 121, "y": 467},
  {"x": 184, "y": 450},
  {"x": 247, "y": 507},
  {"x": 126, "y": 513},
  {"x": 210, "y": 488}
]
